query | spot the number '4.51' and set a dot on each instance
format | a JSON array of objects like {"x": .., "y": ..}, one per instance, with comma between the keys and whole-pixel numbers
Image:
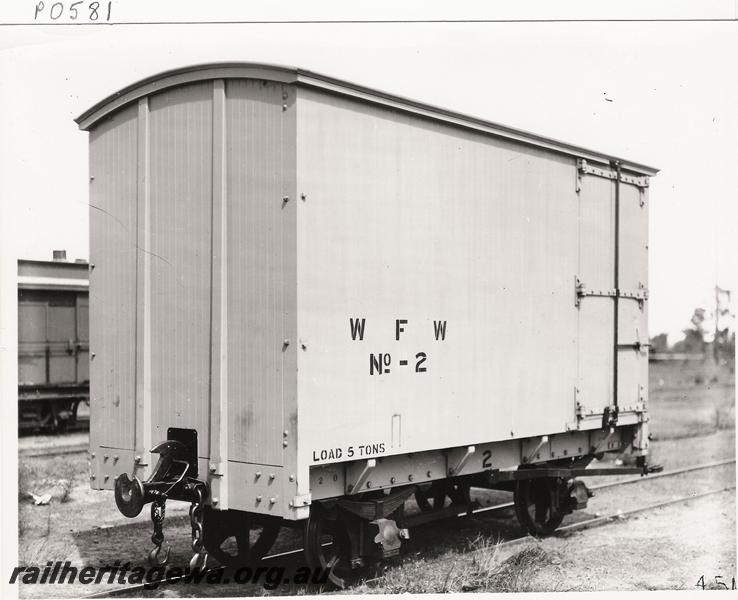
[{"x": 719, "y": 585}]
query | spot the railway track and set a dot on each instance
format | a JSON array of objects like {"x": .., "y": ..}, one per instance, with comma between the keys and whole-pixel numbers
[
  {"x": 626, "y": 481},
  {"x": 51, "y": 452},
  {"x": 599, "y": 520}
]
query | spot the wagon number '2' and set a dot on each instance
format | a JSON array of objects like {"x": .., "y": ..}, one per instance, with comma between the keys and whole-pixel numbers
[{"x": 381, "y": 362}]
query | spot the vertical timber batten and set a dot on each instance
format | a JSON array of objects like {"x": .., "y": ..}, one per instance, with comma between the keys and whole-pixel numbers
[
  {"x": 616, "y": 286},
  {"x": 299, "y": 485},
  {"x": 219, "y": 304},
  {"x": 142, "y": 442}
]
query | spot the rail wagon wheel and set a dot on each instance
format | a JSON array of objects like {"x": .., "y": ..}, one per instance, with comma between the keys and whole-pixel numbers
[
  {"x": 328, "y": 545},
  {"x": 422, "y": 497},
  {"x": 235, "y": 538},
  {"x": 459, "y": 494},
  {"x": 537, "y": 506},
  {"x": 438, "y": 493}
]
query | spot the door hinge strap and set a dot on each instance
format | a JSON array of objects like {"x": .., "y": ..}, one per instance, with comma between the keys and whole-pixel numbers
[
  {"x": 584, "y": 168},
  {"x": 583, "y": 291}
]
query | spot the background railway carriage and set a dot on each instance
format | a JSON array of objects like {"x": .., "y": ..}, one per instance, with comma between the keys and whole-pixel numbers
[
  {"x": 313, "y": 300},
  {"x": 53, "y": 343}
]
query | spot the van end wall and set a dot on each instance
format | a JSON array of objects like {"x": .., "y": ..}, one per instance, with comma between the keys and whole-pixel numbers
[{"x": 193, "y": 302}]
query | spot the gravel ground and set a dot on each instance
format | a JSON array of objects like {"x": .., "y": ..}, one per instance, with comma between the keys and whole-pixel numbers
[
  {"x": 669, "y": 548},
  {"x": 666, "y": 549},
  {"x": 646, "y": 552}
]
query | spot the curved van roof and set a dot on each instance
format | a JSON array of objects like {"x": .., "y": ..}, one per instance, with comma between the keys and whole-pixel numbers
[{"x": 302, "y": 77}]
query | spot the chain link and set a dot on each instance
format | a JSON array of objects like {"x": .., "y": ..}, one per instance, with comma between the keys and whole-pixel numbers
[
  {"x": 200, "y": 557},
  {"x": 157, "y": 538},
  {"x": 157, "y": 518}
]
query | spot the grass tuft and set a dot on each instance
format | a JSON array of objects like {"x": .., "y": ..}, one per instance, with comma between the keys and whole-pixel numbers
[
  {"x": 517, "y": 573},
  {"x": 27, "y": 479},
  {"x": 477, "y": 569}
]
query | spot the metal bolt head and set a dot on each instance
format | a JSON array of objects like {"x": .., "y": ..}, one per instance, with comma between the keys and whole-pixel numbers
[
  {"x": 303, "y": 196},
  {"x": 212, "y": 467},
  {"x": 257, "y": 474},
  {"x": 271, "y": 476},
  {"x": 285, "y": 444},
  {"x": 215, "y": 502},
  {"x": 368, "y": 484},
  {"x": 392, "y": 480},
  {"x": 410, "y": 477},
  {"x": 292, "y": 477},
  {"x": 272, "y": 500},
  {"x": 258, "y": 498},
  {"x": 137, "y": 459},
  {"x": 285, "y": 433},
  {"x": 428, "y": 474}
]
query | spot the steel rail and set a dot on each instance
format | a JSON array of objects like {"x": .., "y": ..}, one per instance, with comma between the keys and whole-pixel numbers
[
  {"x": 58, "y": 451},
  {"x": 623, "y": 514},
  {"x": 602, "y": 520},
  {"x": 564, "y": 529},
  {"x": 628, "y": 481},
  {"x": 670, "y": 473}
]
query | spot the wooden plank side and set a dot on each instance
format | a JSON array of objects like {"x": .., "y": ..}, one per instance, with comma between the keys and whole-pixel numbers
[
  {"x": 113, "y": 156},
  {"x": 179, "y": 256},
  {"x": 408, "y": 219},
  {"x": 31, "y": 341},
  {"x": 596, "y": 313},
  {"x": 83, "y": 337},
  {"x": 143, "y": 292},
  {"x": 255, "y": 278},
  {"x": 633, "y": 316}
]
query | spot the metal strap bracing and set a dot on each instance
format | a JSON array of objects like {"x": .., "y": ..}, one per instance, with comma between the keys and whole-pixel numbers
[{"x": 586, "y": 168}]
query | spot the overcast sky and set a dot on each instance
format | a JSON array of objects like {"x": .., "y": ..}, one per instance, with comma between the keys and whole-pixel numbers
[{"x": 663, "y": 94}]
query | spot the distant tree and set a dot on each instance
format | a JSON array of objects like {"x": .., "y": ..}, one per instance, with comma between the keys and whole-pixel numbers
[
  {"x": 660, "y": 343},
  {"x": 725, "y": 341},
  {"x": 694, "y": 336}
]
